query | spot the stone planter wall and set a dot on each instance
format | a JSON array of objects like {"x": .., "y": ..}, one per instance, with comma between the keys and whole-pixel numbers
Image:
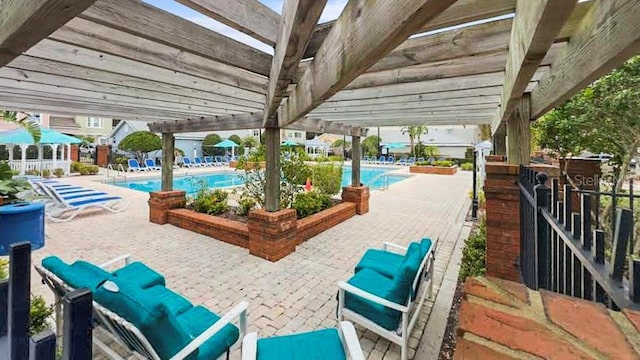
[{"x": 428, "y": 169}]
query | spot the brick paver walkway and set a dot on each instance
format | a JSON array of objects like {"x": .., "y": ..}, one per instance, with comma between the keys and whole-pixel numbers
[{"x": 295, "y": 294}]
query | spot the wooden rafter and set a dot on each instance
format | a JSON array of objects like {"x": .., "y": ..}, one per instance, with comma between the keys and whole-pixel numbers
[
  {"x": 23, "y": 23},
  {"x": 485, "y": 102},
  {"x": 331, "y": 127},
  {"x": 535, "y": 27},
  {"x": 607, "y": 37},
  {"x": 215, "y": 123},
  {"x": 364, "y": 33},
  {"x": 141, "y": 19},
  {"x": 248, "y": 16},
  {"x": 299, "y": 18}
]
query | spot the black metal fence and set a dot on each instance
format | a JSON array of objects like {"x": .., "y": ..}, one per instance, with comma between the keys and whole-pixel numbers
[
  {"x": 563, "y": 250},
  {"x": 15, "y": 341}
]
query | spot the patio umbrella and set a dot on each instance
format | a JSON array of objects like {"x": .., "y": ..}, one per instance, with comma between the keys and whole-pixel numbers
[
  {"x": 289, "y": 143},
  {"x": 395, "y": 145},
  {"x": 227, "y": 144}
]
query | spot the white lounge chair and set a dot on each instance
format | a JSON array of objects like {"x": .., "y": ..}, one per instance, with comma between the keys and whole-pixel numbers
[
  {"x": 70, "y": 205},
  {"x": 134, "y": 166},
  {"x": 151, "y": 165}
]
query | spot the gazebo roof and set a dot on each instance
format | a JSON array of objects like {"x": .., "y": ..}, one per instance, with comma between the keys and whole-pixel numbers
[
  {"x": 315, "y": 142},
  {"x": 49, "y": 136}
]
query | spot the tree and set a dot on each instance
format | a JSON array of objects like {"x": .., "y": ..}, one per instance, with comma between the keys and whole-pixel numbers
[
  {"x": 339, "y": 143},
  {"x": 236, "y": 139},
  {"x": 250, "y": 142},
  {"x": 370, "y": 145},
  {"x": 140, "y": 143},
  {"x": 208, "y": 148},
  {"x": 414, "y": 132},
  {"x": 25, "y": 121},
  {"x": 484, "y": 132}
]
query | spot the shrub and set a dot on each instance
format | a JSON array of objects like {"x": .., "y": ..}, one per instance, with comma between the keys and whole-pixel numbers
[
  {"x": 140, "y": 143},
  {"x": 32, "y": 172},
  {"x": 481, "y": 199},
  {"x": 211, "y": 202},
  {"x": 58, "y": 172},
  {"x": 474, "y": 252},
  {"x": 75, "y": 166},
  {"x": 466, "y": 167},
  {"x": 309, "y": 203},
  {"x": 443, "y": 163},
  {"x": 88, "y": 169},
  {"x": 327, "y": 178},
  {"x": 46, "y": 173},
  {"x": 245, "y": 205}
]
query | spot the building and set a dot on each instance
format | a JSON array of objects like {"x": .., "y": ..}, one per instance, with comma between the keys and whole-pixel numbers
[
  {"x": 96, "y": 127},
  {"x": 452, "y": 141}
]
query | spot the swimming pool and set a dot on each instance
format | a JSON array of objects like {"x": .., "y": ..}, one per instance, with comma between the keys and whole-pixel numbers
[{"x": 374, "y": 178}]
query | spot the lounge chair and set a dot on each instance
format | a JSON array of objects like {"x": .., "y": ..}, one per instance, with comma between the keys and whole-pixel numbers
[
  {"x": 198, "y": 162},
  {"x": 334, "y": 344},
  {"x": 382, "y": 160},
  {"x": 208, "y": 161},
  {"x": 186, "y": 162},
  {"x": 365, "y": 159},
  {"x": 420, "y": 159},
  {"x": 151, "y": 165},
  {"x": 134, "y": 166},
  {"x": 386, "y": 293},
  {"x": 220, "y": 160},
  {"x": 411, "y": 160},
  {"x": 70, "y": 205},
  {"x": 402, "y": 161},
  {"x": 390, "y": 160},
  {"x": 134, "y": 307}
]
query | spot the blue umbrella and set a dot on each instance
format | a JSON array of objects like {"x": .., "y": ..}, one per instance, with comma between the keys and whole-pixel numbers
[
  {"x": 49, "y": 136},
  {"x": 395, "y": 145},
  {"x": 227, "y": 144}
]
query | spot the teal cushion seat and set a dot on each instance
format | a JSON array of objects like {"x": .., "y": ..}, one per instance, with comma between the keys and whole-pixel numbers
[
  {"x": 425, "y": 245},
  {"x": 384, "y": 262},
  {"x": 376, "y": 284},
  {"x": 315, "y": 345},
  {"x": 198, "y": 319},
  {"x": 80, "y": 274},
  {"x": 140, "y": 274},
  {"x": 402, "y": 286}
]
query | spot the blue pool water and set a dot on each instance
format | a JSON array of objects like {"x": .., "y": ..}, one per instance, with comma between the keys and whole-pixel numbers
[{"x": 374, "y": 178}]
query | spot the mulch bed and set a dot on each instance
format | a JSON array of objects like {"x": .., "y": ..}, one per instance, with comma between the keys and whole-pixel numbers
[
  {"x": 231, "y": 215},
  {"x": 448, "y": 346}
]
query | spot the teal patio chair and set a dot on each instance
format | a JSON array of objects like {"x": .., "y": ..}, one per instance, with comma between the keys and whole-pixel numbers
[
  {"x": 386, "y": 294},
  {"x": 138, "y": 312},
  {"x": 326, "y": 344}
]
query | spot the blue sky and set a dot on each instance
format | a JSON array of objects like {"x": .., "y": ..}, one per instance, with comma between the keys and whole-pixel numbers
[{"x": 331, "y": 12}]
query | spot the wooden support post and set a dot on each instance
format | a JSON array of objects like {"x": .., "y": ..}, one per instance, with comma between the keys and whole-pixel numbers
[
  {"x": 355, "y": 161},
  {"x": 78, "y": 325},
  {"x": 499, "y": 143},
  {"x": 167, "y": 161},
  {"x": 519, "y": 133},
  {"x": 272, "y": 185},
  {"x": 19, "y": 287}
]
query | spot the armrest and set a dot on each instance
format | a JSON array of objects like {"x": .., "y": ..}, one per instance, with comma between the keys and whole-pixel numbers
[
  {"x": 386, "y": 245},
  {"x": 351, "y": 340},
  {"x": 126, "y": 258},
  {"x": 343, "y": 286},
  {"x": 250, "y": 346},
  {"x": 212, "y": 330}
]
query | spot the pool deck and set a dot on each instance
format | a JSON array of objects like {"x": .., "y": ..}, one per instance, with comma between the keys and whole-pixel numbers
[{"x": 297, "y": 293}]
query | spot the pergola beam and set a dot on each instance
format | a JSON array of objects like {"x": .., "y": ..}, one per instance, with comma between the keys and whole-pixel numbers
[
  {"x": 331, "y": 127},
  {"x": 535, "y": 27},
  {"x": 364, "y": 33},
  {"x": 23, "y": 23},
  {"x": 608, "y": 36},
  {"x": 458, "y": 103},
  {"x": 299, "y": 18},
  {"x": 141, "y": 19},
  {"x": 248, "y": 16},
  {"x": 215, "y": 123}
]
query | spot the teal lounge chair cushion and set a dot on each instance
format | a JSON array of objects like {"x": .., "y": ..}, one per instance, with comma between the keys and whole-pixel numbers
[
  {"x": 402, "y": 286},
  {"x": 425, "y": 245},
  {"x": 376, "y": 284},
  {"x": 140, "y": 274},
  {"x": 150, "y": 313},
  {"x": 384, "y": 262},
  {"x": 79, "y": 274},
  {"x": 196, "y": 320},
  {"x": 314, "y": 345}
]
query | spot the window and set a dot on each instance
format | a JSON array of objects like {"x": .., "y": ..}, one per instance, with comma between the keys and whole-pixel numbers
[
  {"x": 297, "y": 135},
  {"x": 103, "y": 140},
  {"x": 256, "y": 133},
  {"x": 94, "y": 122}
]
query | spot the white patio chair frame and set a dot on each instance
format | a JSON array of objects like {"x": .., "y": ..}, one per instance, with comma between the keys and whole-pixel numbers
[
  {"x": 346, "y": 331},
  {"x": 410, "y": 311},
  {"x": 125, "y": 333},
  {"x": 62, "y": 205}
]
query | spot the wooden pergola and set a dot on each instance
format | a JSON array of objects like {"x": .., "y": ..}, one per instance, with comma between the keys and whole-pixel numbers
[{"x": 381, "y": 63}]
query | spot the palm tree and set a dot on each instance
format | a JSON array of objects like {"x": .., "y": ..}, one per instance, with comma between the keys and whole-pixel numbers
[
  {"x": 32, "y": 126},
  {"x": 421, "y": 130},
  {"x": 410, "y": 130}
]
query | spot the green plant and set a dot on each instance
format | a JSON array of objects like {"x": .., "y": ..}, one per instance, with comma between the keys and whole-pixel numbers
[
  {"x": 210, "y": 202},
  {"x": 10, "y": 187},
  {"x": 327, "y": 178},
  {"x": 443, "y": 163},
  {"x": 245, "y": 205},
  {"x": 39, "y": 312},
  {"x": 84, "y": 169},
  {"x": 481, "y": 199},
  {"x": 32, "y": 126},
  {"x": 370, "y": 145},
  {"x": 58, "y": 172},
  {"x": 466, "y": 167},
  {"x": 140, "y": 143},
  {"x": 32, "y": 172},
  {"x": 431, "y": 151},
  {"x": 208, "y": 145},
  {"x": 309, "y": 203},
  {"x": 474, "y": 252},
  {"x": 75, "y": 166},
  {"x": 4, "y": 272},
  {"x": 46, "y": 173}
]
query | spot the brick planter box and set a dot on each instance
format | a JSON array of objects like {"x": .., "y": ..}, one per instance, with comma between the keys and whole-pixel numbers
[
  {"x": 324, "y": 220},
  {"x": 249, "y": 166},
  {"x": 428, "y": 169},
  {"x": 229, "y": 231}
]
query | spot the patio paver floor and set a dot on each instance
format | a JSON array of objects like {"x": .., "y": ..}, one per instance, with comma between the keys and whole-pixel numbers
[{"x": 295, "y": 294}]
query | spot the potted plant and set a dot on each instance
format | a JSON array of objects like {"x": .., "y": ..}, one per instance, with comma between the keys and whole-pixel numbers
[{"x": 10, "y": 187}]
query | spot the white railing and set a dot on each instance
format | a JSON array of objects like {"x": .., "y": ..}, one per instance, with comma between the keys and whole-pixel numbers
[{"x": 39, "y": 165}]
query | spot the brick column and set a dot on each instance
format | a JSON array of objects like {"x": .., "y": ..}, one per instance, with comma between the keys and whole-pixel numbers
[
  {"x": 358, "y": 195},
  {"x": 272, "y": 235},
  {"x": 496, "y": 158},
  {"x": 74, "y": 153},
  {"x": 102, "y": 155},
  {"x": 160, "y": 202}
]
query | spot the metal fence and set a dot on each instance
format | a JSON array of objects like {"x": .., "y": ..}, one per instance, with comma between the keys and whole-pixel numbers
[
  {"x": 563, "y": 250},
  {"x": 15, "y": 341}
]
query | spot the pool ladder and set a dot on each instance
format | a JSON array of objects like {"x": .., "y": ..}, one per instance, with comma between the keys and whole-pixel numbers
[{"x": 120, "y": 172}]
